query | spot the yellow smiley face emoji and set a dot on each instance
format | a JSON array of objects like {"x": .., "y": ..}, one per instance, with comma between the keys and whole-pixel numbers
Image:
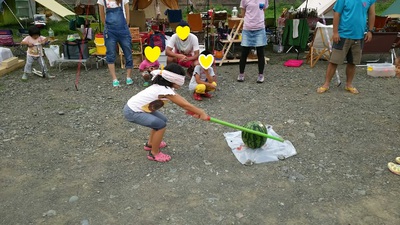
[
  {"x": 182, "y": 32},
  {"x": 152, "y": 54},
  {"x": 206, "y": 61}
]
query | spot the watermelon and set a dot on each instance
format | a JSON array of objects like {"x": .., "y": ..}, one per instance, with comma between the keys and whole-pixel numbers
[{"x": 254, "y": 140}]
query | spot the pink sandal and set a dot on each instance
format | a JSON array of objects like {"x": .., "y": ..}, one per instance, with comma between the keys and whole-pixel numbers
[
  {"x": 160, "y": 157},
  {"x": 147, "y": 147}
]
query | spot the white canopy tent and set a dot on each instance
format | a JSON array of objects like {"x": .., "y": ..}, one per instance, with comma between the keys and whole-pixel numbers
[
  {"x": 56, "y": 7},
  {"x": 324, "y": 7}
]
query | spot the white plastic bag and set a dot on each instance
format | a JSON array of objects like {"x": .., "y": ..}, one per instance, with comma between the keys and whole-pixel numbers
[
  {"x": 51, "y": 55},
  {"x": 56, "y": 49},
  {"x": 271, "y": 151}
]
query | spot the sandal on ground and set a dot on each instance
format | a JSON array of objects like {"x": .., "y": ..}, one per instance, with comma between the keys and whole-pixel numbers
[
  {"x": 197, "y": 97},
  {"x": 207, "y": 95},
  {"x": 147, "y": 147},
  {"x": 394, "y": 168},
  {"x": 352, "y": 90},
  {"x": 160, "y": 157},
  {"x": 397, "y": 160},
  {"x": 321, "y": 90}
]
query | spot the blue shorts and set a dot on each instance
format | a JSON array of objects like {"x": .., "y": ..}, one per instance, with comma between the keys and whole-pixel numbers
[{"x": 154, "y": 120}]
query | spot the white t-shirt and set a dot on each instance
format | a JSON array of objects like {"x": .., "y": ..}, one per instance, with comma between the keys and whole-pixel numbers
[
  {"x": 187, "y": 47},
  {"x": 200, "y": 71},
  {"x": 148, "y": 100},
  {"x": 113, "y": 4}
]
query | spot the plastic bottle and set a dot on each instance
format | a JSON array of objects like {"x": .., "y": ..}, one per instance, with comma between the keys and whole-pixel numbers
[
  {"x": 51, "y": 34},
  {"x": 234, "y": 12}
]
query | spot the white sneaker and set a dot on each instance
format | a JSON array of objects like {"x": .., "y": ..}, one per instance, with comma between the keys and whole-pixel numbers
[
  {"x": 260, "y": 78},
  {"x": 240, "y": 78},
  {"x": 50, "y": 76}
]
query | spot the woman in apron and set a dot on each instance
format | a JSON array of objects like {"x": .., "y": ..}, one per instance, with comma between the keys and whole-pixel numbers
[{"x": 114, "y": 14}]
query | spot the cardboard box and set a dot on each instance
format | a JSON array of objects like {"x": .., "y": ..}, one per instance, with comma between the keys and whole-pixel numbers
[
  {"x": 381, "y": 70},
  {"x": 8, "y": 63},
  {"x": 3, "y": 70}
]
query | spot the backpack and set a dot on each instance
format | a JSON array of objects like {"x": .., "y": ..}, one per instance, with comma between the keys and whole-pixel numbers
[{"x": 157, "y": 39}]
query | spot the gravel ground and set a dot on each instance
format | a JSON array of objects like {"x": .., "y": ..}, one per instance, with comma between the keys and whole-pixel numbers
[{"x": 69, "y": 157}]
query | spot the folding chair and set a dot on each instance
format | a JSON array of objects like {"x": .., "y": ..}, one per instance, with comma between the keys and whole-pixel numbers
[
  {"x": 196, "y": 25},
  {"x": 7, "y": 40},
  {"x": 320, "y": 45},
  {"x": 195, "y": 22}
]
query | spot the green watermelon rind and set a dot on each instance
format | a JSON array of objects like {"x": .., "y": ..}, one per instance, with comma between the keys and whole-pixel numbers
[{"x": 253, "y": 140}]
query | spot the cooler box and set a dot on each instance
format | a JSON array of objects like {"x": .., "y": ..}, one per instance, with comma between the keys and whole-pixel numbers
[
  {"x": 381, "y": 70},
  {"x": 100, "y": 46}
]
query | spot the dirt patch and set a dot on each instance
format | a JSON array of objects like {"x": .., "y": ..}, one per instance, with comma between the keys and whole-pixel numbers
[{"x": 69, "y": 157}]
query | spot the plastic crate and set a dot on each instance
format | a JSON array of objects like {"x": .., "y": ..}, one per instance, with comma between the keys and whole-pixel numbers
[{"x": 381, "y": 70}]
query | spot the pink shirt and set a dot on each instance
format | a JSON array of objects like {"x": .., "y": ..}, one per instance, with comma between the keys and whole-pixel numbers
[
  {"x": 254, "y": 16},
  {"x": 33, "y": 50},
  {"x": 146, "y": 64}
]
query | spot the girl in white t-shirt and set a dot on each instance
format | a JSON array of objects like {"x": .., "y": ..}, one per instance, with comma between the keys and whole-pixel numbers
[{"x": 143, "y": 107}]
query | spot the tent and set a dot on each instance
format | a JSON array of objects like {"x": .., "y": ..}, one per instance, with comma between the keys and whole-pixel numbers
[
  {"x": 146, "y": 9},
  {"x": 150, "y": 8},
  {"x": 55, "y": 7},
  {"x": 324, "y": 7},
  {"x": 393, "y": 11}
]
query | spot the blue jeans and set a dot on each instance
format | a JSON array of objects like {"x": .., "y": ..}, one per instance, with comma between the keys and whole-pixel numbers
[
  {"x": 154, "y": 120},
  {"x": 117, "y": 31}
]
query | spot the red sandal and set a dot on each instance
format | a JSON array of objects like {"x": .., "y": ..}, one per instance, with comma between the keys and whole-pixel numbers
[
  {"x": 197, "y": 97},
  {"x": 160, "y": 157}
]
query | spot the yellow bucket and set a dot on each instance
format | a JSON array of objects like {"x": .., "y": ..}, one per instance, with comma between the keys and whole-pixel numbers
[{"x": 100, "y": 46}]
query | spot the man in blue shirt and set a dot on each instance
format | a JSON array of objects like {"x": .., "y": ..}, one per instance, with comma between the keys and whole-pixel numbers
[{"x": 349, "y": 33}]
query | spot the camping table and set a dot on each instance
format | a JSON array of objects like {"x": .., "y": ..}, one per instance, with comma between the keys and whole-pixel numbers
[
  {"x": 99, "y": 58},
  {"x": 60, "y": 61}
]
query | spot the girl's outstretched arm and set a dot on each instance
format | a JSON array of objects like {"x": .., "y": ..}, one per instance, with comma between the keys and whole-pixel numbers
[{"x": 183, "y": 103}]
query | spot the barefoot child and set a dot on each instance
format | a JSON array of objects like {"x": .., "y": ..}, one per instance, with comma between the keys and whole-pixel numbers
[{"x": 143, "y": 107}]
